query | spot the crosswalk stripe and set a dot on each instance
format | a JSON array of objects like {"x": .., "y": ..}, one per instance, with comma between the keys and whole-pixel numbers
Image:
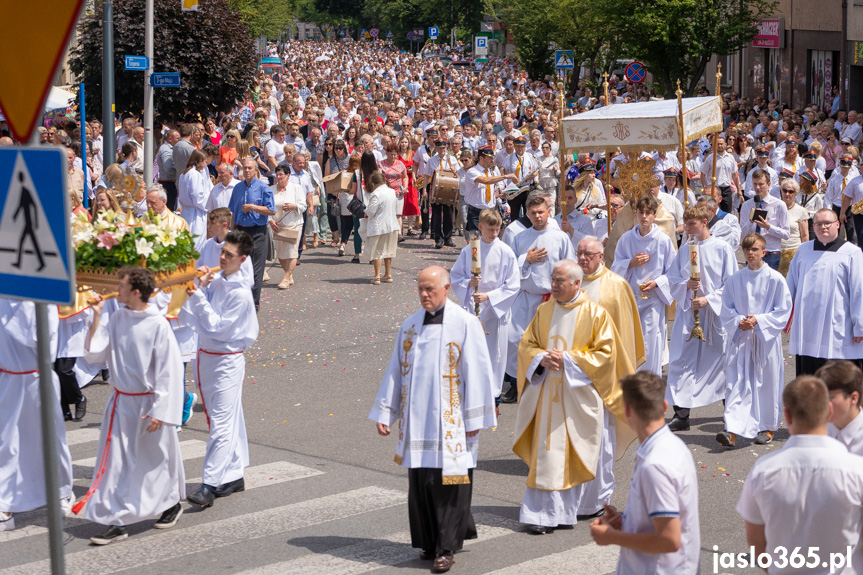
[
  {"x": 272, "y": 474},
  {"x": 178, "y": 542},
  {"x": 376, "y": 553},
  {"x": 190, "y": 449},
  {"x": 84, "y": 435},
  {"x": 589, "y": 559},
  {"x": 21, "y": 532}
]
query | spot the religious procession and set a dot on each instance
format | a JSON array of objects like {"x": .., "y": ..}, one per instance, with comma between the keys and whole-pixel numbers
[{"x": 609, "y": 289}]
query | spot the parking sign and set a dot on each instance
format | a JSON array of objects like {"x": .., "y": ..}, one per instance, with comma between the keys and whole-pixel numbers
[{"x": 433, "y": 32}]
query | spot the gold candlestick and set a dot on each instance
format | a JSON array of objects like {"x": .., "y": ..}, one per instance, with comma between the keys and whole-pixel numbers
[
  {"x": 695, "y": 275},
  {"x": 476, "y": 270}
]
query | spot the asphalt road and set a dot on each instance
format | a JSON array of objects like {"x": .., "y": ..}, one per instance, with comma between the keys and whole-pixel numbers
[{"x": 324, "y": 495}]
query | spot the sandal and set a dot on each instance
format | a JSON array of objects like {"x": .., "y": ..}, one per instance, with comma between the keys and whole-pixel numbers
[
  {"x": 283, "y": 284},
  {"x": 376, "y": 281},
  {"x": 387, "y": 279},
  {"x": 291, "y": 281}
]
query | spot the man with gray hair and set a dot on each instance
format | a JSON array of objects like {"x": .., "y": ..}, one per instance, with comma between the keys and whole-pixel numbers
[
  {"x": 440, "y": 365},
  {"x": 167, "y": 170},
  {"x": 569, "y": 365},
  {"x": 157, "y": 202}
]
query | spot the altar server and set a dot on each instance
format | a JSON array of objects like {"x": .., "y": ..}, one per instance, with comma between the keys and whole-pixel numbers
[
  {"x": 439, "y": 387},
  {"x": 844, "y": 382},
  {"x": 139, "y": 471},
  {"x": 218, "y": 225},
  {"x": 756, "y": 305},
  {"x": 643, "y": 257},
  {"x": 222, "y": 312},
  {"x": 696, "y": 368},
  {"x": 495, "y": 289},
  {"x": 22, "y": 472},
  {"x": 193, "y": 187}
]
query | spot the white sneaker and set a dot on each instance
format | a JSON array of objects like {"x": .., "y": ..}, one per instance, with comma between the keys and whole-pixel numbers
[
  {"x": 7, "y": 521},
  {"x": 66, "y": 505}
]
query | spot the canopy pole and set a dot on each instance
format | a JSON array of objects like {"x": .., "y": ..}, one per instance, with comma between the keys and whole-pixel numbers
[
  {"x": 607, "y": 188},
  {"x": 561, "y": 152},
  {"x": 679, "y": 93},
  {"x": 716, "y": 136}
]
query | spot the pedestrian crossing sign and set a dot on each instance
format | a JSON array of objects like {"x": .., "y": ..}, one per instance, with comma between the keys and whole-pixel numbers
[
  {"x": 36, "y": 255},
  {"x": 563, "y": 60}
]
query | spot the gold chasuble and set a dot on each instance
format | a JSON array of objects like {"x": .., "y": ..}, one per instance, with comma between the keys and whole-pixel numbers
[
  {"x": 559, "y": 427},
  {"x": 626, "y": 221},
  {"x": 613, "y": 293}
]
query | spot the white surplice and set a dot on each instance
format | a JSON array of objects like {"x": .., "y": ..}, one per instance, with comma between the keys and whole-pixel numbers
[
  {"x": 696, "y": 369},
  {"x": 410, "y": 392},
  {"x": 84, "y": 370},
  {"x": 22, "y": 471},
  {"x": 755, "y": 371},
  {"x": 193, "y": 193},
  {"x": 187, "y": 340},
  {"x": 223, "y": 316},
  {"x": 827, "y": 289},
  {"x": 728, "y": 230},
  {"x": 851, "y": 435},
  {"x": 143, "y": 471},
  {"x": 500, "y": 280},
  {"x": 210, "y": 252},
  {"x": 651, "y": 310},
  {"x": 535, "y": 281}
]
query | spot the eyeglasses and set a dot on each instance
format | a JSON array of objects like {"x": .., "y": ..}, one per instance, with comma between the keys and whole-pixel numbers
[
  {"x": 825, "y": 224},
  {"x": 580, "y": 253},
  {"x": 232, "y": 137}
]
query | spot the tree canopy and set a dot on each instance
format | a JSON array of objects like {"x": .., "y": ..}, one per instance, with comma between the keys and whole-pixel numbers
[{"x": 211, "y": 48}]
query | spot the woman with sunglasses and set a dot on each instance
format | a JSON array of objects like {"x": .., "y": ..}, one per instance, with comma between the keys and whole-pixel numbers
[
  {"x": 228, "y": 152},
  {"x": 336, "y": 208}
]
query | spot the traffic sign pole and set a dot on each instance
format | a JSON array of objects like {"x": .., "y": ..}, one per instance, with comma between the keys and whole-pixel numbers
[
  {"x": 82, "y": 115},
  {"x": 148, "y": 96},
  {"x": 109, "y": 145}
]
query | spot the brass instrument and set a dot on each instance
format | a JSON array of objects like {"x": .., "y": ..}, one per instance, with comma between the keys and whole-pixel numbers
[{"x": 857, "y": 208}]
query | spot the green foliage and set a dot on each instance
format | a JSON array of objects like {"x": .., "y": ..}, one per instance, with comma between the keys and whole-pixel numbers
[
  {"x": 265, "y": 17},
  {"x": 211, "y": 48},
  {"x": 402, "y": 16},
  {"x": 530, "y": 22}
]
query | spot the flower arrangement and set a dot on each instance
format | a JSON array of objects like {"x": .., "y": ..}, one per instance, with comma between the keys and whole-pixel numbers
[{"x": 109, "y": 243}]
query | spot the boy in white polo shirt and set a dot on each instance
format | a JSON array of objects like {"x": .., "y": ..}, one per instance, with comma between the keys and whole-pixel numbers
[
  {"x": 659, "y": 530},
  {"x": 844, "y": 382}
]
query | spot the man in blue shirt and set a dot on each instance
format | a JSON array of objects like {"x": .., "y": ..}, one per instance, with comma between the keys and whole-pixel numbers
[{"x": 252, "y": 203}]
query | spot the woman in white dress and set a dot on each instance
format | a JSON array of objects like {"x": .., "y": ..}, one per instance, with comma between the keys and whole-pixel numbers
[
  {"x": 193, "y": 190},
  {"x": 549, "y": 172},
  {"x": 382, "y": 227},
  {"x": 290, "y": 201}
]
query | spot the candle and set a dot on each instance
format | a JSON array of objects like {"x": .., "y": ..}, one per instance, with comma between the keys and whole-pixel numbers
[
  {"x": 475, "y": 258},
  {"x": 694, "y": 265}
]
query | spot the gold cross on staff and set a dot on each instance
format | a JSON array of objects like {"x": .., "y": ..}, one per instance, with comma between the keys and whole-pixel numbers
[
  {"x": 718, "y": 77},
  {"x": 678, "y": 92}
]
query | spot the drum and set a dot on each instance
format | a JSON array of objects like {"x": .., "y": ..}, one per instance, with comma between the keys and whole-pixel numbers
[{"x": 445, "y": 190}]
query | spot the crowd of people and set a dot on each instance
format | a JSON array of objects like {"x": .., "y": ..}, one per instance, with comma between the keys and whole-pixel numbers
[{"x": 356, "y": 148}]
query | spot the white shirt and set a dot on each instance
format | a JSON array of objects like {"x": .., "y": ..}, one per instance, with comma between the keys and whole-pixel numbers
[
  {"x": 777, "y": 217},
  {"x": 479, "y": 195},
  {"x": 276, "y": 151},
  {"x": 835, "y": 187},
  {"x": 807, "y": 494},
  {"x": 220, "y": 195},
  {"x": 726, "y": 167},
  {"x": 854, "y": 190},
  {"x": 852, "y": 131},
  {"x": 663, "y": 484},
  {"x": 851, "y": 435}
]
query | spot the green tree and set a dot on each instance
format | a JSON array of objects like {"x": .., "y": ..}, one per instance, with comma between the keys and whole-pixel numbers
[
  {"x": 530, "y": 22},
  {"x": 211, "y": 48},
  {"x": 265, "y": 17},
  {"x": 675, "y": 39}
]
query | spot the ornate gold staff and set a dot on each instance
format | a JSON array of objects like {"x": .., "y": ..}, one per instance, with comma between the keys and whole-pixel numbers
[
  {"x": 695, "y": 275},
  {"x": 476, "y": 270},
  {"x": 682, "y": 139},
  {"x": 716, "y": 135},
  {"x": 561, "y": 195},
  {"x": 608, "y": 188}
]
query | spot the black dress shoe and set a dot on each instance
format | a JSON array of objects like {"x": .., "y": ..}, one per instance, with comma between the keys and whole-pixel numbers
[
  {"x": 67, "y": 416},
  {"x": 226, "y": 489},
  {"x": 599, "y": 513},
  {"x": 510, "y": 395},
  {"x": 438, "y": 245},
  {"x": 203, "y": 496},
  {"x": 539, "y": 529},
  {"x": 678, "y": 424},
  {"x": 448, "y": 243},
  {"x": 426, "y": 555},
  {"x": 443, "y": 563},
  {"x": 422, "y": 236},
  {"x": 80, "y": 409}
]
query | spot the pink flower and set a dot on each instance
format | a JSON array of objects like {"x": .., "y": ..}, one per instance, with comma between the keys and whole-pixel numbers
[{"x": 107, "y": 240}]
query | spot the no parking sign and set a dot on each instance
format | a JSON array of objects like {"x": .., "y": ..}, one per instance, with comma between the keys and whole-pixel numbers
[{"x": 635, "y": 72}]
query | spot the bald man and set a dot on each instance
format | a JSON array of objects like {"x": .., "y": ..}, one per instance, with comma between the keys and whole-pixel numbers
[{"x": 439, "y": 386}]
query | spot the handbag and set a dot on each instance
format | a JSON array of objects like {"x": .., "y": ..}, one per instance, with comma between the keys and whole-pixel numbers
[
  {"x": 357, "y": 208},
  {"x": 290, "y": 235}
]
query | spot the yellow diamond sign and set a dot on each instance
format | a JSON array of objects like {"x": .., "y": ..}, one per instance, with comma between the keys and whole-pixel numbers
[{"x": 32, "y": 45}]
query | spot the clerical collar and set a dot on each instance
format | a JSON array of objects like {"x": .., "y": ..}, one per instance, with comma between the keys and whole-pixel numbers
[
  {"x": 434, "y": 317},
  {"x": 572, "y": 301},
  {"x": 829, "y": 246}
]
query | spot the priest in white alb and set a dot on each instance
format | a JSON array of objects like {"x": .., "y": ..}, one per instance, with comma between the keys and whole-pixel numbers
[
  {"x": 22, "y": 470},
  {"x": 222, "y": 313},
  {"x": 494, "y": 288},
  {"x": 826, "y": 283},
  {"x": 756, "y": 305},
  {"x": 537, "y": 249},
  {"x": 139, "y": 469},
  {"x": 569, "y": 365},
  {"x": 643, "y": 257},
  {"x": 439, "y": 387},
  {"x": 696, "y": 367}
]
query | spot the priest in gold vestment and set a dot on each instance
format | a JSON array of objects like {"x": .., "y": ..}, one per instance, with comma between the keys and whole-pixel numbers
[
  {"x": 613, "y": 293},
  {"x": 569, "y": 366}
]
